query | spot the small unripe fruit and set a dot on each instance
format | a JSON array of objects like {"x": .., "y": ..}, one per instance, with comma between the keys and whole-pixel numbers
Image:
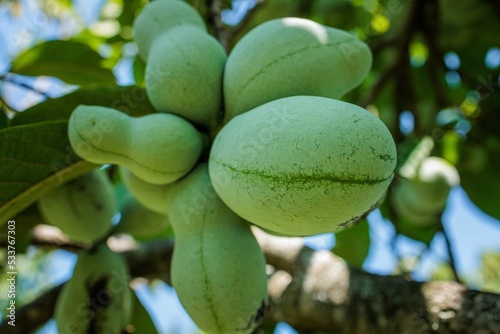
[
  {"x": 419, "y": 201},
  {"x": 302, "y": 165},
  {"x": 435, "y": 178},
  {"x": 97, "y": 298},
  {"x": 82, "y": 208},
  {"x": 218, "y": 269},
  {"x": 140, "y": 222},
  {"x": 160, "y": 16},
  {"x": 407, "y": 208},
  {"x": 154, "y": 197},
  {"x": 158, "y": 148},
  {"x": 292, "y": 56},
  {"x": 184, "y": 74}
]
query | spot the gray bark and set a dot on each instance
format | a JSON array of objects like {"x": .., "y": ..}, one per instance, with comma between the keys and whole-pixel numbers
[{"x": 317, "y": 291}]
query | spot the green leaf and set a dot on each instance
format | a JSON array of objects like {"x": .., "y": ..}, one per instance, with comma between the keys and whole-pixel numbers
[
  {"x": 34, "y": 159},
  {"x": 139, "y": 71},
  {"x": 482, "y": 189},
  {"x": 141, "y": 320},
  {"x": 353, "y": 244},
  {"x": 480, "y": 164},
  {"x": 129, "y": 12},
  {"x": 4, "y": 120},
  {"x": 70, "y": 61},
  {"x": 467, "y": 21},
  {"x": 131, "y": 100}
]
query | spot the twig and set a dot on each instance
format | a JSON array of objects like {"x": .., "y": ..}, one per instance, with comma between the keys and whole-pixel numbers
[
  {"x": 379, "y": 84},
  {"x": 404, "y": 97},
  {"x": 436, "y": 59},
  {"x": 9, "y": 78},
  {"x": 381, "y": 44},
  {"x": 402, "y": 41},
  {"x": 441, "y": 98},
  {"x": 437, "y": 54},
  {"x": 403, "y": 271},
  {"x": 450, "y": 254},
  {"x": 215, "y": 20},
  {"x": 45, "y": 236}
]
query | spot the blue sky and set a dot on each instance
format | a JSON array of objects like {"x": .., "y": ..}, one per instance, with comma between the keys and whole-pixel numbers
[{"x": 471, "y": 231}]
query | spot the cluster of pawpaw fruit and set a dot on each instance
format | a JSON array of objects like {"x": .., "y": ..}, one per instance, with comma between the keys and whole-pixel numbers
[{"x": 288, "y": 156}]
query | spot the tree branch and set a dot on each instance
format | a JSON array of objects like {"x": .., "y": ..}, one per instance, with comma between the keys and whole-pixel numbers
[
  {"x": 401, "y": 43},
  {"x": 151, "y": 260},
  {"x": 316, "y": 290},
  {"x": 430, "y": 31},
  {"x": 381, "y": 81},
  {"x": 11, "y": 79},
  {"x": 378, "y": 45},
  {"x": 33, "y": 315},
  {"x": 215, "y": 20},
  {"x": 50, "y": 237}
]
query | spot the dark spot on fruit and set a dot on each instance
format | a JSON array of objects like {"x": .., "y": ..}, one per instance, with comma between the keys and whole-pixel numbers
[
  {"x": 257, "y": 317},
  {"x": 98, "y": 206},
  {"x": 99, "y": 298},
  {"x": 348, "y": 223}
]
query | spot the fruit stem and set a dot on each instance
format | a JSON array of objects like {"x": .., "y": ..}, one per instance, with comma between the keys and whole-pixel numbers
[{"x": 450, "y": 253}]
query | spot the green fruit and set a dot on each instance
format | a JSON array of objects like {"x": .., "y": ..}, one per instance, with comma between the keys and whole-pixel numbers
[
  {"x": 406, "y": 207},
  {"x": 97, "y": 298},
  {"x": 158, "y": 17},
  {"x": 421, "y": 200},
  {"x": 353, "y": 244},
  {"x": 424, "y": 233},
  {"x": 158, "y": 148},
  {"x": 82, "y": 208},
  {"x": 292, "y": 56},
  {"x": 139, "y": 221},
  {"x": 218, "y": 269},
  {"x": 154, "y": 197},
  {"x": 184, "y": 74},
  {"x": 435, "y": 178},
  {"x": 303, "y": 165}
]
